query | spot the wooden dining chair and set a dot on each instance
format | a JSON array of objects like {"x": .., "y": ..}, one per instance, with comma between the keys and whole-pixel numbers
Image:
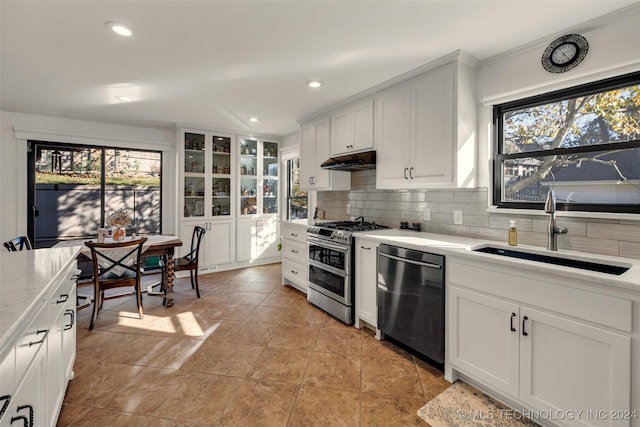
[
  {"x": 18, "y": 244},
  {"x": 190, "y": 261},
  {"x": 116, "y": 265}
]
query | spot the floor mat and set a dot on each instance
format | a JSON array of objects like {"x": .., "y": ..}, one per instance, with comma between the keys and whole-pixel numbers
[{"x": 463, "y": 405}]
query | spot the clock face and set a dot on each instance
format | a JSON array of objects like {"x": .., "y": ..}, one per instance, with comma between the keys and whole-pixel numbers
[{"x": 565, "y": 53}]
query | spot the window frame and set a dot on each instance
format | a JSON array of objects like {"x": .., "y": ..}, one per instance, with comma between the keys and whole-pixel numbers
[
  {"x": 31, "y": 177},
  {"x": 289, "y": 162},
  {"x": 576, "y": 91}
]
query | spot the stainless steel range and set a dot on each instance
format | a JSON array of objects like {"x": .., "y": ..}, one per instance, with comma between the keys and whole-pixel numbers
[{"x": 331, "y": 281}]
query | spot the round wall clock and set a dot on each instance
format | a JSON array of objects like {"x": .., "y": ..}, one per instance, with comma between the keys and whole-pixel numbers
[{"x": 565, "y": 53}]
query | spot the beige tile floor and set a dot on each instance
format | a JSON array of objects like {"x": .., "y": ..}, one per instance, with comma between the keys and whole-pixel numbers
[{"x": 249, "y": 352}]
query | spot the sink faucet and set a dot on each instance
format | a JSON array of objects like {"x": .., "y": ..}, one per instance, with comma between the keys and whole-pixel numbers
[{"x": 553, "y": 229}]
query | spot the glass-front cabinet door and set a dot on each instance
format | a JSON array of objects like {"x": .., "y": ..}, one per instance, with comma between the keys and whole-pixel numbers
[
  {"x": 248, "y": 176},
  {"x": 222, "y": 169},
  {"x": 270, "y": 178},
  {"x": 258, "y": 184},
  {"x": 194, "y": 175}
]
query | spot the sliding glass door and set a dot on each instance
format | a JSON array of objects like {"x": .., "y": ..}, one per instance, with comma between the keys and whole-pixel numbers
[{"x": 72, "y": 188}]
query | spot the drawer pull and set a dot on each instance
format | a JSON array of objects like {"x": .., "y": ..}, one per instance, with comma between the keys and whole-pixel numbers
[
  {"x": 28, "y": 422},
  {"x": 294, "y": 272},
  {"x": 512, "y": 316},
  {"x": 73, "y": 319},
  {"x": 38, "y": 332},
  {"x": 62, "y": 298},
  {"x": 294, "y": 234},
  {"x": 5, "y": 405},
  {"x": 364, "y": 247},
  {"x": 294, "y": 251}
]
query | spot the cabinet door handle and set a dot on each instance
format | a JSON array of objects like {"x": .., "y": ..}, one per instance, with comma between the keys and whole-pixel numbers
[
  {"x": 73, "y": 319},
  {"x": 524, "y": 319},
  {"x": 25, "y": 422},
  {"x": 364, "y": 247},
  {"x": 62, "y": 298},
  {"x": 512, "y": 316},
  {"x": 411, "y": 172},
  {"x": 38, "y": 332},
  {"x": 405, "y": 173},
  {"x": 5, "y": 405}
]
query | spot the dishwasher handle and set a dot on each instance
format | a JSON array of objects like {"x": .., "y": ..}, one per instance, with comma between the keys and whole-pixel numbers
[{"x": 410, "y": 261}]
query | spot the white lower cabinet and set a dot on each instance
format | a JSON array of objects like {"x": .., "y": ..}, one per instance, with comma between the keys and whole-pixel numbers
[
  {"x": 366, "y": 260},
  {"x": 566, "y": 364},
  {"x": 217, "y": 243},
  {"x": 35, "y": 372},
  {"x": 257, "y": 239},
  {"x": 484, "y": 340},
  {"x": 543, "y": 360},
  {"x": 61, "y": 343},
  {"x": 27, "y": 406},
  {"x": 295, "y": 270}
]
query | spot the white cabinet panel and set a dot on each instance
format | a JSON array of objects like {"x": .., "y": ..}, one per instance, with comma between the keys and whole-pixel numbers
[
  {"x": 366, "y": 260},
  {"x": 566, "y": 364},
  {"x": 392, "y": 128},
  {"x": 485, "y": 339},
  {"x": 422, "y": 130},
  {"x": 257, "y": 239},
  {"x": 294, "y": 255},
  {"x": 554, "y": 357},
  {"x": 352, "y": 128},
  {"x": 315, "y": 149}
]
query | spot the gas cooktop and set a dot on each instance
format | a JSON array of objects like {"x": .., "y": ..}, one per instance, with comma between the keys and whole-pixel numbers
[
  {"x": 351, "y": 225},
  {"x": 341, "y": 231}
]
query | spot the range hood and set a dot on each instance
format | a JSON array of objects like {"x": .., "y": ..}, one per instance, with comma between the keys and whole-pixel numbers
[{"x": 351, "y": 162}]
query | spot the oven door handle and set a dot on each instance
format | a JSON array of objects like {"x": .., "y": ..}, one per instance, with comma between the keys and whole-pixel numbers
[
  {"x": 324, "y": 244},
  {"x": 410, "y": 261},
  {"x": 328, "y": 268}
]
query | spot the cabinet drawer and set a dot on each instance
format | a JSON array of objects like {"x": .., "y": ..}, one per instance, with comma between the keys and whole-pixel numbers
[
  {"x": 295, "y": 271},
  {"x": 294, "y": 250},
  {"x": 33, "y": 340},
  {"x": 63, "y": 293},
  {"x": 290, "y": 232}
]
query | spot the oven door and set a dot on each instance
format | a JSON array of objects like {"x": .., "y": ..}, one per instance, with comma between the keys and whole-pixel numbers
[{"x": 329, "y": 266}]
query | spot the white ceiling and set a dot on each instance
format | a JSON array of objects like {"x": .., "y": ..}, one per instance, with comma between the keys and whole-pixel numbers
[{"x": 215, "y": 63}]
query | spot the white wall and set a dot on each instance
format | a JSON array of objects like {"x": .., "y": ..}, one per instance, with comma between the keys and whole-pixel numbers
[
  {"x": 291, "y": 140},
  {"x": 613, "y": 51},
  {"x": 16, "y": 128}
]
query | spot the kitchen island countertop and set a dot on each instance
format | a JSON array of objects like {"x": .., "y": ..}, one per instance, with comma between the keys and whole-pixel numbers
[{"x": 26, "y": 279}]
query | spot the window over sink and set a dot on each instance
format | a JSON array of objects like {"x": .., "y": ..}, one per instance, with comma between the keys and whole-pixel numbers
[{"x": 583, "y": 142}]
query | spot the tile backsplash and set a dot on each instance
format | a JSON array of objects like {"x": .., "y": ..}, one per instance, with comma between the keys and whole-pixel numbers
[{"x": 389, "y": 207}]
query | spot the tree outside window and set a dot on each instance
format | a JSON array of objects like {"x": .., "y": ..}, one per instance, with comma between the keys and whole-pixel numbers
[{"x": 583, "y": 142}]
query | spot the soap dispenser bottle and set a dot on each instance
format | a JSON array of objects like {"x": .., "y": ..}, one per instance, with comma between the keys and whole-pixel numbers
[{"x": 513, "y": 233}]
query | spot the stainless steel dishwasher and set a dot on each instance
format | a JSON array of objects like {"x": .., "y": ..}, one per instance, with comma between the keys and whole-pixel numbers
[{"x": 411, "y": 299}]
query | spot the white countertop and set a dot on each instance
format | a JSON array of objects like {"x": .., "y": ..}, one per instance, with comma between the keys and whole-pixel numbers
[
  {"x": 25, "y": 279},
  {"x": 448, "y": 245}
]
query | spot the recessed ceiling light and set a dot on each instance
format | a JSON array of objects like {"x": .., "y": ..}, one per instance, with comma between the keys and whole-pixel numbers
[
  {"x": 124, "y": 98},
  {"x": 253, "y": 119},
  {"x": 314, "y": 83},
  {"x": 119, "y": 29}
]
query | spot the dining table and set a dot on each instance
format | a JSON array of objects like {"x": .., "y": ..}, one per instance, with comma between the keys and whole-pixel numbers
[{"x": 162, "y": 245}]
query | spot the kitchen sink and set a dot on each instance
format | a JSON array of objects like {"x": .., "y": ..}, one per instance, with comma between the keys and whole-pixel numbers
[{"x": 557, "y": 260}]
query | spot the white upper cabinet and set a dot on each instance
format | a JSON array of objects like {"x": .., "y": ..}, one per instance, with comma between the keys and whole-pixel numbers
[
  {"x": 425, "y": 130},
  {"x": 315, "y": 149},
  {"x": 352, "y": 128}
]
